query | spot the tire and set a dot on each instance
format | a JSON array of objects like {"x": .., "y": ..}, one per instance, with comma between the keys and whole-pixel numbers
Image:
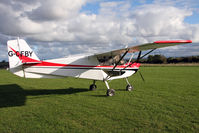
[
  {"x": 129, "y": 88},
  {"x": 92, "y": 87},
  {"x": 110, "y": 92}
]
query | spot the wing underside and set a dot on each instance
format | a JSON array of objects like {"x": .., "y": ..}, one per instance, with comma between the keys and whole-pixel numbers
[{"x": 143, "y": 47}]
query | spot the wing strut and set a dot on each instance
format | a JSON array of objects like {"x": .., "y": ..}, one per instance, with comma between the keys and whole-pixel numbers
[
  {"x": 147, "y": 53},
  {"x": 138, "y": 58},
  {"x": 120, "y": 59}
]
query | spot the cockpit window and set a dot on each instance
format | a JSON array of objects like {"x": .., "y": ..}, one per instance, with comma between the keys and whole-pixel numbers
[{"x": 110, "y": 60}]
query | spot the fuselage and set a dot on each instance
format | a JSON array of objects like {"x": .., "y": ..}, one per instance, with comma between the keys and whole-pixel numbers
[{"x": 77, "y": 66}]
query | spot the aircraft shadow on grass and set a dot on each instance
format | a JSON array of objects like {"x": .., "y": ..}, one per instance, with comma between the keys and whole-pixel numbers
[{"x": 13, "y": 95}]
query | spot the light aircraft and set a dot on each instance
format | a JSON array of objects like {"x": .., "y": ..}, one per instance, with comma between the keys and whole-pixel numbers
[{"x": 97, "y": 67}]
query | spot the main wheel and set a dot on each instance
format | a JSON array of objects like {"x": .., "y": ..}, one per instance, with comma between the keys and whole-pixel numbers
[
  {"x": 92, "y": 87},
  {"x": 129, "y": 88},
  {"x": 110, "y": 92}
]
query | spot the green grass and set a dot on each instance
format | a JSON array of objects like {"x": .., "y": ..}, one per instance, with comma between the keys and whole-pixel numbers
[{"x": 167, "y": 102}]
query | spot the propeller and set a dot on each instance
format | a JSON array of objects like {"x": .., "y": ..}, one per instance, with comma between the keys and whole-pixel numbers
[
  {"x": 138, "y": 59},
  {"x": 141, "y": 76}
]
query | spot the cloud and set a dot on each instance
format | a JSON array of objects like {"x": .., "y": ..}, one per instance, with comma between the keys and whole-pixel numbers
[
  {"x": 60, "y": 26},
  {"x": 50, "y": 10},
  {"x": 13, "y": 23},
  {"x": 157, "y": 20}
]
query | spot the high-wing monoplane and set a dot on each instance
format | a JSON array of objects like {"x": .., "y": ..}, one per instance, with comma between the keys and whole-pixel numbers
[{"x": 97, "y": 67}]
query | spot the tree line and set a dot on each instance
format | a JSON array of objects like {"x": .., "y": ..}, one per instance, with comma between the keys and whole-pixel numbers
[
  {"x": 161, "y": 59},
  {"x": 4, "y": 64}
]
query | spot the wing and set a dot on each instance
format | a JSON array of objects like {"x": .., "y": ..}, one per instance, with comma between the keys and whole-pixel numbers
[{"x": 142, "y": 47}]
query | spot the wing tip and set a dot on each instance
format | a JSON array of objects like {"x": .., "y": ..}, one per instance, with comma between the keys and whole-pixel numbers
[{"x": 173, "y": 41}]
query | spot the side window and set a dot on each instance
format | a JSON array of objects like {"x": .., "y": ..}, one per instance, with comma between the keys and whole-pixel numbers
[{"x": 110, "y": 60}]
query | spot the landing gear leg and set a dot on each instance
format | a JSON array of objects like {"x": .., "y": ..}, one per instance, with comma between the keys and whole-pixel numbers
[
  {"x": 93, "y": 86},
  {"x": 110, "y": 92},
  {"x": 129, "y": 87}
]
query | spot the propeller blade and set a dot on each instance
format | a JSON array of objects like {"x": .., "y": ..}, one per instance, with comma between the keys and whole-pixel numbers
[{"x": 141, "y": 76}]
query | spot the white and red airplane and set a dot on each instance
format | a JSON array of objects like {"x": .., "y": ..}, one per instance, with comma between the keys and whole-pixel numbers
[{"x": 102, "y": 67}]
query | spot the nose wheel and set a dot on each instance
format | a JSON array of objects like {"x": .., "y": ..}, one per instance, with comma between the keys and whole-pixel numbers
[
  {"x": 92, "y": 86},
  {"x": 110, "y": 92},
  {"x": 129, "y": 88}
]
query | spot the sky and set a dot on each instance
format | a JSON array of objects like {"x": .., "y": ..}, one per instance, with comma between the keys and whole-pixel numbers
[{"x": 58, "y": 28}]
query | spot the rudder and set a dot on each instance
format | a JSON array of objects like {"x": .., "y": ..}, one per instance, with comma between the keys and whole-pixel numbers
[{"x": 20, "y": 53}]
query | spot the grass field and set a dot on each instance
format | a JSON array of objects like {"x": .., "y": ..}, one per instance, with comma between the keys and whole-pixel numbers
[{"x": 167, "y": 102}]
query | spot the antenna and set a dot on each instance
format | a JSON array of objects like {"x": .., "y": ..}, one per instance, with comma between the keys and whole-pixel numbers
[
  {"x": 20, "y": 61},
  {"x": 18, "y": 44}
]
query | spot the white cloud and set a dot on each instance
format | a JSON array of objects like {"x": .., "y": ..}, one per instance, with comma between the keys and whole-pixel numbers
[
  {"x": 14, "y": 23},
  {"x": 195, "y": 32},
  {"x": 50, "y": 10},
  {"x": 157, "y": 20},
  {"x": 66, "y": 30}
]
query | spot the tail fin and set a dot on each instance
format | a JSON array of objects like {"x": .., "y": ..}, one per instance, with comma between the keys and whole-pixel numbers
[{"x": 20, "y": 53}]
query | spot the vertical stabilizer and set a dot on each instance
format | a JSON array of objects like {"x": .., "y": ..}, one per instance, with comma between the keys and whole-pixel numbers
[{"x": 19, "y": 53}]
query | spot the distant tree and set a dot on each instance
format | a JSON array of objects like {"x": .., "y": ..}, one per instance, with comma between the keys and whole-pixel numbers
[
  {"x": 184, "y": 59},
  {"x": 170, "y": 60},
  {"x": 190, "y": 59},
  {"x": 195, "y": 59},
  {"x": 3, "y": 64},
  {"x": 157, "y": 59},
  {"x": 144, "y": 60},
  {"x": 150, "y": 59}
]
